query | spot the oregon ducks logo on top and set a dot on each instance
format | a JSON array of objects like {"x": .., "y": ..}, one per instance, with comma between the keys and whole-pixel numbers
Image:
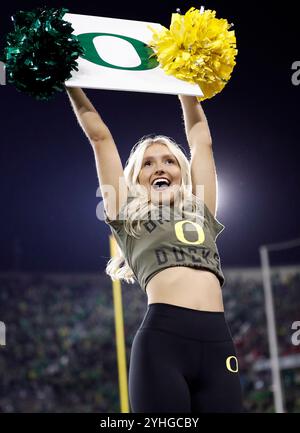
[
  {"x": 232, "y": 364},
  {"x": 143, "y": 51},
  {"x": 181, "y": 235}
]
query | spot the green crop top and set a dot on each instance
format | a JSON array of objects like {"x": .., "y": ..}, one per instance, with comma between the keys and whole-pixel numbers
[{"x": 165, "y": 243}]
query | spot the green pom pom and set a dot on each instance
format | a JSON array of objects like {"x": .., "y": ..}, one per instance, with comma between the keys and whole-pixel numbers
[{"x": 41, "y": 52}]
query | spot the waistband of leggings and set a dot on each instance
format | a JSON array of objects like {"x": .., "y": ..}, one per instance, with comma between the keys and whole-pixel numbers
[{"x": 187, "y": 322}]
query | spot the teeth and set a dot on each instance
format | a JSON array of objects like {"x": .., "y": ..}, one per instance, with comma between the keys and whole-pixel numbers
[{"x": 161, "y": 180}]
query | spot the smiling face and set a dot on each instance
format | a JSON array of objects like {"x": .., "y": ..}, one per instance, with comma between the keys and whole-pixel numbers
[{"x": 160, "y": 163}]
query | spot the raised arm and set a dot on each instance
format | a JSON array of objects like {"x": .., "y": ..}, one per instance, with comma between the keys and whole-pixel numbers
[
  {"x": 203, "y": 170},
  {"x": 108, "y": 162},
  {"x": 195, "y": 122}
]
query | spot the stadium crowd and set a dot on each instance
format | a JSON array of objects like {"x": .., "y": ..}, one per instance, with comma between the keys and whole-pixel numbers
[{"x": 60, "y": 352}]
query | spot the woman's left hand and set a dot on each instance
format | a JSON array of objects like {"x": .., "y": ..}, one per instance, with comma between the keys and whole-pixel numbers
[{"x": 188, "y": 98}]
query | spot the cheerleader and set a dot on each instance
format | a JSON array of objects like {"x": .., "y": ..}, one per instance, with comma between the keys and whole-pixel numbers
[{"x": 161, "y": 208}]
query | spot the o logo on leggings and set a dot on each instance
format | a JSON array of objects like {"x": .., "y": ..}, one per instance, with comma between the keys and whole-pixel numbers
[{"x": 230, "y": 364}]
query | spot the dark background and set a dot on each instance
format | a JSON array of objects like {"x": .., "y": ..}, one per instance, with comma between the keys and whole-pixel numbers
[{"x": 48, "y": 174}]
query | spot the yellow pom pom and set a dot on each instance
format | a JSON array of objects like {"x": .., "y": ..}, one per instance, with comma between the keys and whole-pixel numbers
[{"x": 198, "y": 48}]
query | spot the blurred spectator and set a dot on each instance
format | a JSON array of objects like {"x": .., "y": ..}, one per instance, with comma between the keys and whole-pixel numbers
[{"x": 60, "y": 353}]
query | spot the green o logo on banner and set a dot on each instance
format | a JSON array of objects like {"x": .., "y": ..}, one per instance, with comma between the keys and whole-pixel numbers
[{"x": 142, "y": 50}]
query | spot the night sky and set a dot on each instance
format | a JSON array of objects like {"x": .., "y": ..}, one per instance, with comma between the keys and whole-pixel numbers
[{"x": 48, "y": 174}]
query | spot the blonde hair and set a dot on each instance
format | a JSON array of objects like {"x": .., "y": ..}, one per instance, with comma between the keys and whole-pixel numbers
[{"x": 138, "y": 208}]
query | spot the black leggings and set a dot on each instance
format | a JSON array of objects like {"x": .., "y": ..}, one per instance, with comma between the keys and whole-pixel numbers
[{"x": 183, "y": 360}]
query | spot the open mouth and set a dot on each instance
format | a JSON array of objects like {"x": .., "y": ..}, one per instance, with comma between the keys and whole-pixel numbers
[{"x": 161, "y": 184}]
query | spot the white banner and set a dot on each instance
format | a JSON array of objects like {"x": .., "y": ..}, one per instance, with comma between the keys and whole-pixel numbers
[{"x": 117, "y": 57}]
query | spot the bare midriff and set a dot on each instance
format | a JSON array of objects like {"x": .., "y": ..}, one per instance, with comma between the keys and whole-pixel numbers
[{"x": 186, "y": 287}]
